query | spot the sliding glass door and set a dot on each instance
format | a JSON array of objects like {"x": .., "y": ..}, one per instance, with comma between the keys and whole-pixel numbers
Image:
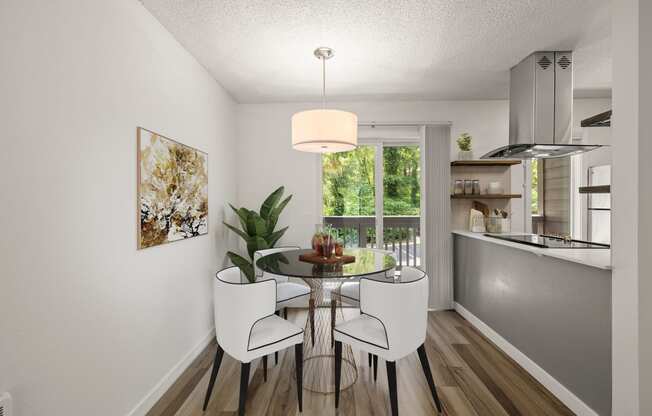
[
  {"x": 401, "y": 202},
  {"x": 372, "y": 197},
  {"x": 348, "y": 195}
]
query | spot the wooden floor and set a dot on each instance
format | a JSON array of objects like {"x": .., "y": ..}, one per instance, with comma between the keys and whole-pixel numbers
[{"x": 472, "y": 375}]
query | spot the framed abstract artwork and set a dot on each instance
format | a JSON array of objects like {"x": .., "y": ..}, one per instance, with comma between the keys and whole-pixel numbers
[{"x": 172, "y": 190}]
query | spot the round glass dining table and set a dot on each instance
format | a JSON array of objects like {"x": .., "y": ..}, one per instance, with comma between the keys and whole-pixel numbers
[{"x": 323, "y": 279}]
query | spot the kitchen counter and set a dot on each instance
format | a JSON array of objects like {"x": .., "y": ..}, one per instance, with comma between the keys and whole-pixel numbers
[
  {"x": 548, "y": 309},
  {"x": 594, "y": 257}
]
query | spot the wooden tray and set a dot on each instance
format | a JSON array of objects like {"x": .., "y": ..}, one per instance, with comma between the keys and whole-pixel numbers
[{"x": 315, "y": 258}]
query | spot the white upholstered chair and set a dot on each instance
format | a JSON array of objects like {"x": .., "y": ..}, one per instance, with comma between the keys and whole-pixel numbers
[
  {"x": 392, "y": 324},
  {"x": 348, "y": 293},
  {"x": 246, "y": 328},
  {"x": 349, "y": 290},
  {"x": 288, "y": 294}
]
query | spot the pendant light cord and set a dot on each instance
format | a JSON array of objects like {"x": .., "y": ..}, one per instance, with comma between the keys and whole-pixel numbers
[{"x": 323, "y": 86}]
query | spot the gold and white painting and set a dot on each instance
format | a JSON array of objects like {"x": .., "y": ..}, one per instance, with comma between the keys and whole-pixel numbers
[{"x": 172, "y": 190}]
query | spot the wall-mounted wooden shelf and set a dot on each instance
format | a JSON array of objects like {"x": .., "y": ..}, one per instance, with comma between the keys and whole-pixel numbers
[
  {"x": 485, "y": 162},
  {"x": 486, "y": 171},
  {"x": 486, "y": 196},
  {"x": 597, "y": 189},
  {"x": 599, "y": 120}
]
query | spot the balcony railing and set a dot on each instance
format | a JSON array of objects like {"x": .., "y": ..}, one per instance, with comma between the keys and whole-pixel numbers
[{"x": 400, "y": 235}]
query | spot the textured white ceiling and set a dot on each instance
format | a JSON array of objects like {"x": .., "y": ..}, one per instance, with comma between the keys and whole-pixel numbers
[{"x": 261, "y": 50}]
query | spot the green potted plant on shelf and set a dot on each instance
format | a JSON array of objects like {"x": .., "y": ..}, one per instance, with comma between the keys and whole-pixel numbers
[
  {"x": 257, "y": 229},
  {"x": 464, "y": 144}
]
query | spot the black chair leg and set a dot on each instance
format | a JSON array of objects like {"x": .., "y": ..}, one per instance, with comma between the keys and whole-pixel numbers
[
  {"x": 298, "y": 356},
  {"x": 370, "y": 359},
  {"x": 216, "y": 367},
  {"x": 264, "y": 368},
  {"x": 333, "y": 317},
  {"x": 338, "y": 371},
  {"x": 391, "y": 379},
  {"x": 285, "y": 313},
  {"x": 311, "y": 315},
  {"x": 375, "y": 367},
  {"x": 277, "y": 313},
  {"x": 244, "y": 384},
  {"x": 423, "y": 357}
]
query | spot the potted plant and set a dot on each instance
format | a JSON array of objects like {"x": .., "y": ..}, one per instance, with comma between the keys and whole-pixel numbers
[
  {"x": 464, "y": 144},
  {"x": 257, "y": 229}
]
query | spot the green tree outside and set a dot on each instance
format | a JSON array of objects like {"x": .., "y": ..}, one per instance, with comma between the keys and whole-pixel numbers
[
  {"x": 535, "y": 186},
  {"x": 401, "y": 180},
  {"x": 348, "y": 182}
]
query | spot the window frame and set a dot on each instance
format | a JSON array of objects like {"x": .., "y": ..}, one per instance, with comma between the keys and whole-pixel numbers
[{"x": 379, "y": 144}]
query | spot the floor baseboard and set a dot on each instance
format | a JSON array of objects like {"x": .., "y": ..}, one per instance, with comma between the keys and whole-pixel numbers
[
  {"x": 171, "y": 377},
  {"x": 555, "y": 387}
]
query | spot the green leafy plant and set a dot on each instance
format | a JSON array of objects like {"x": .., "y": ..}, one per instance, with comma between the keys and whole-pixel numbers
[
  {"x": 257, "y": 229},
  {"x": 464, "y": 142}
]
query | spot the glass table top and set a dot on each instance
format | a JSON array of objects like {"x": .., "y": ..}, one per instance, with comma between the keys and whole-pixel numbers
[{"x": 287, "y": 263}]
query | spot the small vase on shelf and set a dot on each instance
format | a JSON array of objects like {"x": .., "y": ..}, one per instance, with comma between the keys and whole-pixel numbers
[{"x": 465, "y": 155}]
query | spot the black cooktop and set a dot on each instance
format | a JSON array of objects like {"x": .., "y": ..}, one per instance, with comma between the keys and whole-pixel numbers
[{"x": 546, "y": 241}]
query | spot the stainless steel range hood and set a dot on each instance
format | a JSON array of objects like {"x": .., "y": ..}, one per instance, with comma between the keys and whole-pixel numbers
[{"x": 541, "y": 109}]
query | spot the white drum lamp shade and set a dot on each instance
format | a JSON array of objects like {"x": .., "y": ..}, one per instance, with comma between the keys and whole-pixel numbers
[{"x": 324, "y": 131}]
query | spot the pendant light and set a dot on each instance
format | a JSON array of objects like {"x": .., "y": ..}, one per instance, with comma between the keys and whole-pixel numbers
[{"x": 324, "y": 130}]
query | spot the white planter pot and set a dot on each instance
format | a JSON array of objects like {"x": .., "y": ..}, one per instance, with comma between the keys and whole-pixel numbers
[{"x": 465, "y": 155}]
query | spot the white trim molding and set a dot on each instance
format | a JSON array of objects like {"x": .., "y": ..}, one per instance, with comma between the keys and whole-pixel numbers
[
  {"x": 573, "y": 402},
  {"x": 168, "y": 379}
]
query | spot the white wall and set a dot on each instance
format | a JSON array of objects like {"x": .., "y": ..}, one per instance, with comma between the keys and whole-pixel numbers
[
  {"x": 645, "y": 201},
  {"x": 631, "y": 225},
  {"x": 266, "y": 158},
  {"x": 88, "y": 324}
]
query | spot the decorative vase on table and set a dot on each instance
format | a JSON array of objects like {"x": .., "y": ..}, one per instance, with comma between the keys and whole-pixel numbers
[
  {"x": 323, "y": 241},
  {"x": 339, "y": 247}
]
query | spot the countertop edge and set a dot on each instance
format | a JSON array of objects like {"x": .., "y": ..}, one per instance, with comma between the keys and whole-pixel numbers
[{"x": 587, "y": 257}]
